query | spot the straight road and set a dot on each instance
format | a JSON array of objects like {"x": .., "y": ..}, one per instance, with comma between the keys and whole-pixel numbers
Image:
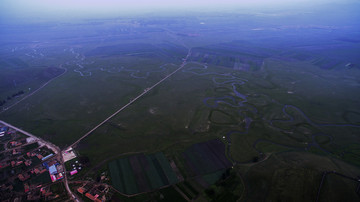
[
  {"x": 10, "y": 149},
  {"x": 56, "y": 149},
  {"x": 51, "y": 146},
  {"x": 133, "y": 100}
]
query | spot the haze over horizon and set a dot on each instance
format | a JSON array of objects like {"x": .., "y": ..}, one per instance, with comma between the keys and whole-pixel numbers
[
  {"x": 180, "y": 100},
  {"x": 67, "y": 9}
]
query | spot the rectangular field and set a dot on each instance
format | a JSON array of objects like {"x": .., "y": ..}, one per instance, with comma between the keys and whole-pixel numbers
[
  {"x": 207, "y": 157},
  {"x": 140, "y": 173}
]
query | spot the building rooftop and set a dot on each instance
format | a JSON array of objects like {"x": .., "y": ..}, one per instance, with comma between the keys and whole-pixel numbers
[
  {"x": 52, "y": 169},
  {"x": 81, "y": 190},
  {"x": 73, "y": 172},
  {"x": 90, "y": 196}
]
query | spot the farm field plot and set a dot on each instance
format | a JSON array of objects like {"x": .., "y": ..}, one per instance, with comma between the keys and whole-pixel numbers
[
  {"x": 207, "y": 157},
  {"x": 141, "y": 173}
]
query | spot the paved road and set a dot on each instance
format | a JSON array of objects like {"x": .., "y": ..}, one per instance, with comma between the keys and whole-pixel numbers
[
  {"x": 133, "y": 100},
  {"x": 51, "y": 146},
  {"x": 12, "y": 148},
  {"x": 66, "y": 181},
  {"x": 57, "y": 150}
]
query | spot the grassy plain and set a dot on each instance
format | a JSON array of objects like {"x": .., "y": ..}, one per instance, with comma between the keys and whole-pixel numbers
[{"x": 286, "y": 112}]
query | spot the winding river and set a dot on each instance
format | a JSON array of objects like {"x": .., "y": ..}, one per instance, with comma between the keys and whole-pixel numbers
[{"x": 233, "y": 101}]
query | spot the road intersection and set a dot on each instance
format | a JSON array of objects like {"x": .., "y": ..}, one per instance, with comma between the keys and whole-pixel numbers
[{"x": 58, "y": 152}]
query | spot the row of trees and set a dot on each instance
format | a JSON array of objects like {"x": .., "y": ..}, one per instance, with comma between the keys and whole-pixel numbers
[{"x": 2, "y": 102}]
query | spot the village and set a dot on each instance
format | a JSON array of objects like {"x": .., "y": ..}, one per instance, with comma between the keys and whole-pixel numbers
[{"x": 32, "y": 170}]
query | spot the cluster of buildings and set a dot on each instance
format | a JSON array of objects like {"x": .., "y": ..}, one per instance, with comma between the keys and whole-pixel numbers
[
  {"x": 16, "y": 146},
  {"x": 3, "y": 130},
  {"x": 41, "y": 193},
  {"x": 76, "y": 166},
  {"x": 16, "y": 143},
  {"x": 55, "y": 169},
  {"x": 93, "y": 191},
  {"x": 36, "y": 170},
  {"x": 27, "y": 169},
  {"x": 68, "y": 155},
  {"x": 18, "y": 158}
]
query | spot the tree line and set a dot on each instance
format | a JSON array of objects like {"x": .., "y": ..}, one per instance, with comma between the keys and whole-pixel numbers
[{"x": 2, "y": 102}]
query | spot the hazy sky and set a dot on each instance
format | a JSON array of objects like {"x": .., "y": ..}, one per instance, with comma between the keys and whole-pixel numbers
[{"x": 101, "y": 8}]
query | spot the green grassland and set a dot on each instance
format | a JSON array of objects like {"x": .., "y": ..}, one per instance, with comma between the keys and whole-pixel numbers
[
  {"x": 173, "y": 117},
  {"x": 160, "y": 120},
  {"x": 23, "y": 75},
  {"x": 303, "y": 171},
  {"x": 62, "y": 111},
  {"x": 71, "y": 105},
  {"x": 275, "y": 133}
]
